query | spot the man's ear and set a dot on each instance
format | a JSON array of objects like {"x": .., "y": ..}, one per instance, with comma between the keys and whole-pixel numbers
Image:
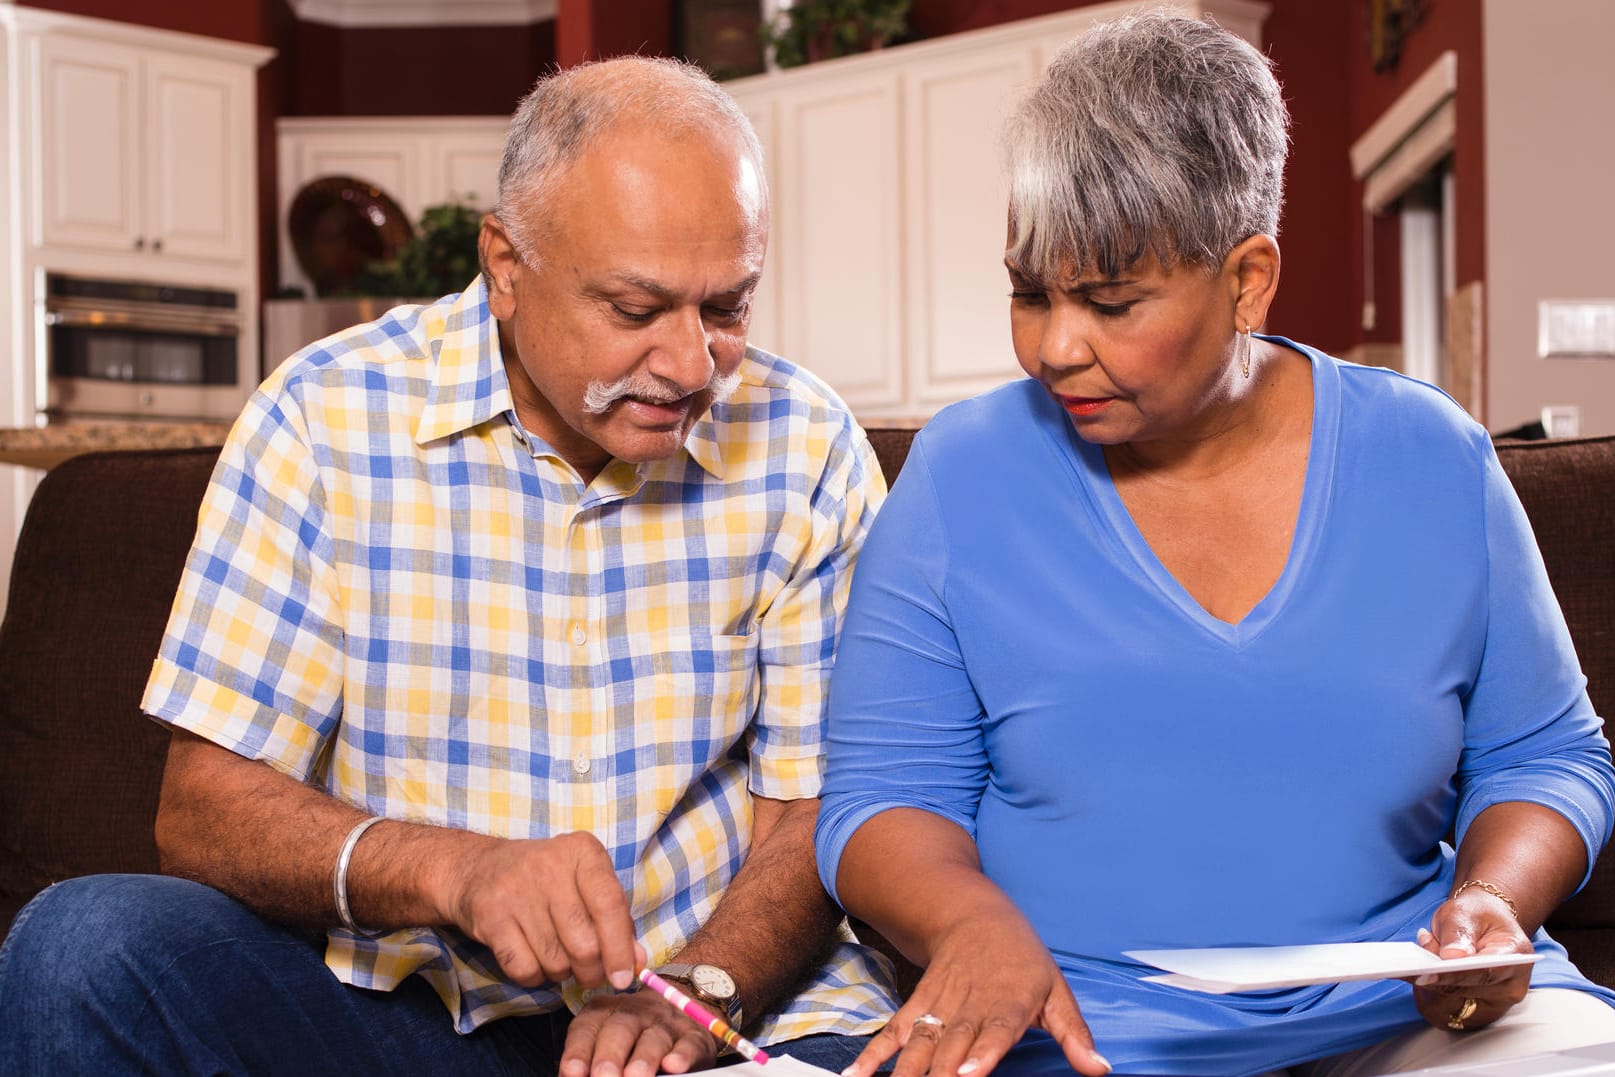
[
  {"x": 1253, "y": 273},
  {"x": 497, "y": 257}
]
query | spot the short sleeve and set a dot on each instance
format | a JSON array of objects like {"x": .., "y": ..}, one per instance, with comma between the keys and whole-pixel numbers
[{"x": 252, "y": 657}]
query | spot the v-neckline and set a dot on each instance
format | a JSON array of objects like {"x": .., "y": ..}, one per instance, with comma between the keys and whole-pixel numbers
[{"x": 1094, "y": 473}]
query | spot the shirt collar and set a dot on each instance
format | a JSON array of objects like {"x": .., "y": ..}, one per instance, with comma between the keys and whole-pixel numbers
[{"x": 468, "y": 385}]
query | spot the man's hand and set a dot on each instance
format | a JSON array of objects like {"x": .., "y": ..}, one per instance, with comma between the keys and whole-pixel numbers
[
  {"x": 549, "y": 910},
  {"x": 635, "y": 1035}
]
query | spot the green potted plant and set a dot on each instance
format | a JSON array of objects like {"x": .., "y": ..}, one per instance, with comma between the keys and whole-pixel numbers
[
  {"x": 441, "y": 256},
  {"x": 812, "y": 30}
]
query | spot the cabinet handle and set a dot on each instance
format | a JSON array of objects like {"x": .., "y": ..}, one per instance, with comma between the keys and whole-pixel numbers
[
  {"x": 157, "y": 245},
  {"x": 140, "y": 243}
]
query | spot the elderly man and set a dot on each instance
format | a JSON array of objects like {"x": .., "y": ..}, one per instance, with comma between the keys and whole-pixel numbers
[{"x": 499, "y": 661}]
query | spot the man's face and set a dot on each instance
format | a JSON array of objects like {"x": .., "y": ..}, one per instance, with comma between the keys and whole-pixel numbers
[{"x": 647, "y": 255}]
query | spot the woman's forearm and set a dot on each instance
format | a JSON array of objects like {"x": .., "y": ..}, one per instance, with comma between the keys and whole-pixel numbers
[
  {"x": 912, "y": 875},
  {"x": 1531, "y": 853}
]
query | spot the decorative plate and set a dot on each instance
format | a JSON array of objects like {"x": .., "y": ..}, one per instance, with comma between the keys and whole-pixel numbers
[{"x": 338, "y": 225}]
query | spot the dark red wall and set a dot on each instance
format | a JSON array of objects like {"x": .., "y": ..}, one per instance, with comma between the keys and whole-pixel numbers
[
  {"x": 235, "y": 20},
  {"x": 1305, "y": 38},
  {"x": 595, "y": 29},
  {"x": 410, "y": 71}
]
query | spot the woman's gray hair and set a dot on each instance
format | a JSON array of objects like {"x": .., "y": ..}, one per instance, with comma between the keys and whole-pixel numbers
[
  {"x": 1152, "y": 134},
  {"x": 568, "y": 110}
]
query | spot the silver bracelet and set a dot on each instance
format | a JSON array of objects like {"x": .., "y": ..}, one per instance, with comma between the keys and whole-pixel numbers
[{"x": 339, "y": 878}]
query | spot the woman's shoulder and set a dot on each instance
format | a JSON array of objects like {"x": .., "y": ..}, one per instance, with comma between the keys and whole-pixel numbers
[
  {"x": 1386, "y": 405},
  {"x": 999, "y": 422},
  {"x": 1406, "y": 432}
]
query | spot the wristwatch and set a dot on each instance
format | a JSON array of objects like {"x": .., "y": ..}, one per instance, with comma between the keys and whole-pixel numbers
[{"x": 710, "y": 985}]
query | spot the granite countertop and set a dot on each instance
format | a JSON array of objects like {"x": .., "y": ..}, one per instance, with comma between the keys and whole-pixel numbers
[{"x": 47, "y": 446}]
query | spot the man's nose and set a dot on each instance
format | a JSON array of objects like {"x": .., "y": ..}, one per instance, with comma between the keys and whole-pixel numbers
[{"x": 684, "y": 354}]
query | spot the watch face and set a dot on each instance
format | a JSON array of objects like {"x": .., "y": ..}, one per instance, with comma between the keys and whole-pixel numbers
[{"x": 711, "y": 980}]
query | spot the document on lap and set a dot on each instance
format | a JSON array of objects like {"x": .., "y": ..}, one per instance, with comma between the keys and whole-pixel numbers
[
  {"x": 1226, "y": 969},
  {"x": 778, "y": 1066}
]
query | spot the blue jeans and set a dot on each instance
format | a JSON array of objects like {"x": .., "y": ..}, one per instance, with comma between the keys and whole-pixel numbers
[{"x": 151, "y": 974}]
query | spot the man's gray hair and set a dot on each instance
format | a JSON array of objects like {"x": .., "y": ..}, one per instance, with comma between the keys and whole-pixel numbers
[
  {"x": 1152, "y": 134},
  {"x": 568, "y": 110}
]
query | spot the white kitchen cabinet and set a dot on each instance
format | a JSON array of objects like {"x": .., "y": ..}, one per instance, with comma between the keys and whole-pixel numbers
[
  {"x": 142, "y": 150},
  {"x": 126, "y": 153},
  {"x": 885, "y": 266}
]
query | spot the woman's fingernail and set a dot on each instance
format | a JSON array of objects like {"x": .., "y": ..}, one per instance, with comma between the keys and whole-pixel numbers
[
  {"x": 1424, "y": 936},
  {"x": 1102, "y": 1060},
  {"x": 622, "y": 979},
  {"x": 1426, "y": 980},
  {"x": 969, "y": 1066},
  {"x": 850, "y": 1070}
]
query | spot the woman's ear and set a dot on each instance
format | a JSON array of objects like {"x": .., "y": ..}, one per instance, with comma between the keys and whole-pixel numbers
[
  {"x": 1252, "y": 268},
  {"x": 498, "y": 260}
]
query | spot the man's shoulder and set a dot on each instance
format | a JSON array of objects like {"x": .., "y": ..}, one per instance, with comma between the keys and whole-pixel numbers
[
  {"x": 782, "y": 415},
  {"x": 388, "y": 372},
  {"x": 776, "y": 379},
  {"x": 399, "y": 335}
]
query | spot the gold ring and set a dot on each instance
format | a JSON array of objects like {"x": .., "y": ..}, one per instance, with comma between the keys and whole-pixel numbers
[
  {"x": 1465, "y": 1012},
  {"x": 927, "y": 1020}
]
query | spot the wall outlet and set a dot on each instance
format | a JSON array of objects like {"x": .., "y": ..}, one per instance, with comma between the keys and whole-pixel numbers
[{"x": 1562, "y": 420}]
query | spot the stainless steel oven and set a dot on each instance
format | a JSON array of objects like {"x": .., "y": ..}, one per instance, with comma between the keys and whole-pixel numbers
[{"x": 137, "y": 349}]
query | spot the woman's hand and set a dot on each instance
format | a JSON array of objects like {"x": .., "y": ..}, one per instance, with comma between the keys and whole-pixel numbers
[
  {"x": 990, "y": 979},
  {"x": 1473, "y": 922}
]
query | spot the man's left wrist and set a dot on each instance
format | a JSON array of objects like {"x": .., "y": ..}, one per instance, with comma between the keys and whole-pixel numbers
[{"x": 710, "y": 985}]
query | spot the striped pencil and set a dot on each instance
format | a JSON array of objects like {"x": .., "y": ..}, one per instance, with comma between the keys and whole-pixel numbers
[{"x": 704, "y": 1017}]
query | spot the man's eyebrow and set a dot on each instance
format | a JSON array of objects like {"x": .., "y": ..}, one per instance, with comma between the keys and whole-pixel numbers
[{"x": 666, "y": 294}]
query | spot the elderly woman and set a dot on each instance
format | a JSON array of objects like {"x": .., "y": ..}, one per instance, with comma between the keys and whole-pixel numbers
[{"x": 1198, "y": 637}]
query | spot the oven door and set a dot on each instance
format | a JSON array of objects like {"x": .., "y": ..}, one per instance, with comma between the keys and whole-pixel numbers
[{"x": 164, "y": 363}]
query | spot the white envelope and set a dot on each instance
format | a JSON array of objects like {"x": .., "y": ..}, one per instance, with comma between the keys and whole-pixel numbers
[{"x": 1222, "y": 970}]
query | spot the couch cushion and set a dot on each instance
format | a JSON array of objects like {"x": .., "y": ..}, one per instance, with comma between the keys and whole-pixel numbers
[
  {"x": 891, "y": 445},
  {"x": 1568, "y": 490},
  {"x": 97, "y": 564}
]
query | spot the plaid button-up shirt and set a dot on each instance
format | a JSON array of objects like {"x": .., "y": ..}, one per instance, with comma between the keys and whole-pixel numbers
[{"x": 400, "y": 596}]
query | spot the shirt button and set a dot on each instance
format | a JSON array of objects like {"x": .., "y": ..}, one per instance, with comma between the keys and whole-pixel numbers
[
  {"x": 579, "y": 637},
  {"x": 581, "y": 764}
]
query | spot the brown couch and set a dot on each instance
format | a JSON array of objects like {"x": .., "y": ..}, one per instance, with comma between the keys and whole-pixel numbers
[{"x": 105, "y": 538}]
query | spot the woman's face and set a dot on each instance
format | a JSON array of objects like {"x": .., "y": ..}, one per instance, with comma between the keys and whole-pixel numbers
[{"x": 1142, "y": 356}]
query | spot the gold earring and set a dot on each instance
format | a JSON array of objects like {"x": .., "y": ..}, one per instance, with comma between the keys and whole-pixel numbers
[{"x": 1245, "y": 364}]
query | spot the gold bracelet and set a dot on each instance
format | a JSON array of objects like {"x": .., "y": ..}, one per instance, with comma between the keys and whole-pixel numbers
[{"x": 1496, "y": 892}]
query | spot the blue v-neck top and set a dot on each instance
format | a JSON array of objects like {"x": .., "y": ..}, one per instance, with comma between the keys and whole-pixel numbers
[{"x": 1138, "y": 774}]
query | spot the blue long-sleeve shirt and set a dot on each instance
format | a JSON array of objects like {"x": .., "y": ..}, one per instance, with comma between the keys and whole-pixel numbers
[{"x": 1138, "y": 774}]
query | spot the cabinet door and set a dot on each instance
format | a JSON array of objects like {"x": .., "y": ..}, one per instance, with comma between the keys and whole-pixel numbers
[
  {"x": 840, "y": 235},
  {"x": 198, "y": 126},
  {"x": 87, "y": 134},
  {"x": 956, "y": 197}
]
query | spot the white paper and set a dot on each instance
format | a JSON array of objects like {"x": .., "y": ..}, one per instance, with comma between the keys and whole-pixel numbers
[
  {"x": 777, "y": 1066},
  {"x": 1221, "y": 970}
]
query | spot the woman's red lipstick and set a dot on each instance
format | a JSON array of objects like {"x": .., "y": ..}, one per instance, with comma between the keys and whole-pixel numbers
[{"x": 1085, "y": 405}]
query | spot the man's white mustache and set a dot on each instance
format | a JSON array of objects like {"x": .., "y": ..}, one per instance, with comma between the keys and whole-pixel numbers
[{"x": 598, "y": 397}]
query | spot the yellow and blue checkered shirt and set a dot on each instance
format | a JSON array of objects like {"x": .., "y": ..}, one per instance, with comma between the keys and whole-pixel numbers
[{"x": 402, "y": 597}]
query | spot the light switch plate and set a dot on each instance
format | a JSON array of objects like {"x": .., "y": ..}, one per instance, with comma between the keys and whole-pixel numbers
[{"x": 1576, "y": 327}]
